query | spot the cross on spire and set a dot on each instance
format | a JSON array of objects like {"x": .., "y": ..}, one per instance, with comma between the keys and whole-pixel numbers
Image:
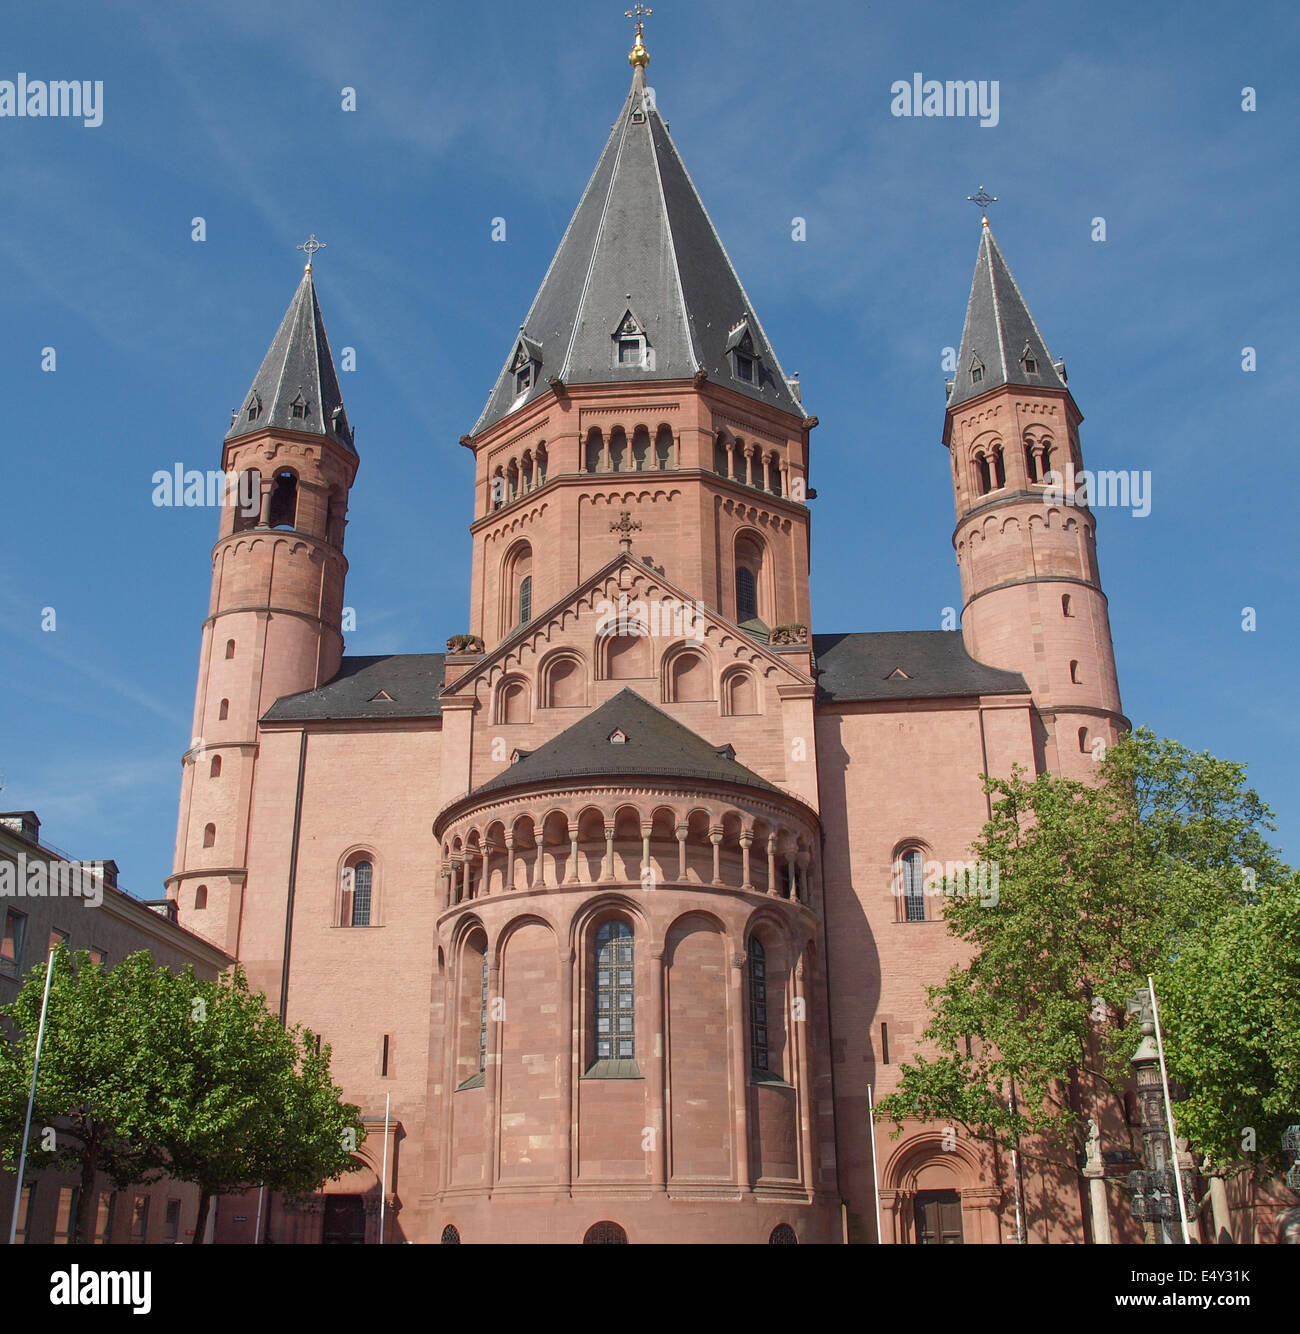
[
  {"x": 626, "y": 525},
  {"x": 982, "y": 202},
  {"x": 311, "y": 245},
  {"x": 638, "y": 55}
]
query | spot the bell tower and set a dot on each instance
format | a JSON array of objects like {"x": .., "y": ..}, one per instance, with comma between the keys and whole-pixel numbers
[
  {"x": 1025, "y": 539},
  {"x": 274, "y": 624}
]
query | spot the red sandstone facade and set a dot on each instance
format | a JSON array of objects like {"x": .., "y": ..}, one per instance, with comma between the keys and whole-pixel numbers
[{"x": 428, "y": 860}]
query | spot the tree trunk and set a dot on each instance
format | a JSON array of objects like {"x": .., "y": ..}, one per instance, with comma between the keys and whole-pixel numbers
[
  {"x": 83, "y": 1224},
  {"x": 201, "y": 1223}
]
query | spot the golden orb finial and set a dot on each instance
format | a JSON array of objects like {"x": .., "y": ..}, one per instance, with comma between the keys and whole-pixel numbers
[{"x": 638, "y": 57}]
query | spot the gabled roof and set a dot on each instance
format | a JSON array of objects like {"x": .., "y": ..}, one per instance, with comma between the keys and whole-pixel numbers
[
  {"x": 1000, "y": 332},
  {"x": 412, "y": 682},
  {"x": 298, "y": 368},
  {"x": 934, "y": 663},
  {"x": 640, "y": 239},
  {"x": 653, "y": 745}
]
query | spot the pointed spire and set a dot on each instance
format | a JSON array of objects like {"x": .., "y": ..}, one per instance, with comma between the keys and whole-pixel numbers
[
  {"x": 1001, "y": 344},
  {"x": 296, "y": 388},
  {"x": 640, "y": 248}
]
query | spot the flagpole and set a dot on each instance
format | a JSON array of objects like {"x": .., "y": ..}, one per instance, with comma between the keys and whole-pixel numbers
[
  {"x": 875, "y": 1169},
  {"x": 1169, "y": 1113},
  {"x": 31, "y": 1096},
  {"x": 383, "y": 1180}
]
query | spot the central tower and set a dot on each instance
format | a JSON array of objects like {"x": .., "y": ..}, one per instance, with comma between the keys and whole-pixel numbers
[{"x": 641, "y": 380}]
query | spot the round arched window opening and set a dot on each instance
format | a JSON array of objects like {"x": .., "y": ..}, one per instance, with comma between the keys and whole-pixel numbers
[
  {"x": 783, "y": 1235},
  {"x": 605, "y": 1234},
  {"x": 450, "y": 1236}
]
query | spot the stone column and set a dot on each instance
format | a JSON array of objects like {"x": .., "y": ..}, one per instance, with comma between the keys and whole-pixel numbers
[
  {"x": 771, "y": 864},
  {"x": 682, "y": 831},
  {"x": 801, "y": 1078},
  {"x": 715, "y": 837},
  {"x": 1095, "y": 1172},
  {"x": 746, "y": 842},
  {"x": 658, "y": 1074},
  {"x": 801, "y": 884},
  {"x": 510, "y": 863},
  {"x": 790, "y": 867},
  {"x": 740, "y": 1068},
  {"x": 492, "y": 1080},
  {"x": 645, "y": 852},
  {"x": 609, "y": 852},
  {"x": 570, "y": 1052},
  {"x": 572, "y": 877},
  {"x": 539, "y": 866}
]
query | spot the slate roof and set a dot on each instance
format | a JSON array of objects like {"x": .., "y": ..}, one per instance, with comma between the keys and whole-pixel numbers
[
  {"x": 935, "y": 665},
  {"x": 999, "y": 329},
  {"x": 411, "y": 680},
  {"x": 639, "y": 241},
  {"x": 656, "y": 746},
  {"x": 297, "y": 366}
]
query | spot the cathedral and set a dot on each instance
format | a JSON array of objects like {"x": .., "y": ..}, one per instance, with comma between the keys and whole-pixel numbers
[{"x": 618, "y": 912}]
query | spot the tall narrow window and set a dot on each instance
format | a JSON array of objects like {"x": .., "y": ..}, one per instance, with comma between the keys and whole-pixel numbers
[
  {"x": 615, "y": 993},
  {"x": 482, "y": 1017},
  {"x": 362, "y": 877},
  {"x": 1074, "y": 672},
  {"x": 746, "y": 595},
  {"x": 201, "y": 897},
  {"x": 24, "y": 1213},
  {"x": 209, "y": 835},
  {"x": 757, "y": 1005},
  {"x": 1031, "y": 463},
  {"x": 283, "y": 511},
  {"x": 140, "y": 1220},
  {"x": 172, "y": 1223},
  {"x": 223, "y": 711},
  {"x": 526, "y": 599},
  {"x": 982, "y": 473},
  {"x": 106, "y": 1208},
  {"x": 999, "y": 469},
  {"x": 66, "y": 1216},
  {"x": 913, "y": 887},
  {"x": 1065, "y": 605},
  {"x": 663, "y": 448}
]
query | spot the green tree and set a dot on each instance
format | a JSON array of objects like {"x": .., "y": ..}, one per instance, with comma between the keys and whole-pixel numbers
[
  {"x": 1099, "y": 884},
  {"x": 90, "y": 1113},
  {"x": 239, "y": 1100}
]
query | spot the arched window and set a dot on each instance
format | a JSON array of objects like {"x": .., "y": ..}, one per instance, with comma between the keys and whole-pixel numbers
[
  {"x": 774, "y": 475},
  {"x": 911, "y": 868},
  {"x": 739, "y": 694},
  {"x": 783, "y": 1235},
  {"x": 746, "y": 595},
  {"x": 214, "y": 769},
  {"x": 516, "y": 587},
  {"x": 248, "y": 500},
  {"x": 663, "y": 448},
  {"x": 983, "y": 477},
  {"x": 512, "y": 701},
  {"x": 720, "y": 456},
  {"x": 615, "y": 993},
  {"x": 450, "y": 1236},
  {"x": 283, "y": 512},
  {"x": 757, "y": 1006},
  {"x": 209, "y": 835},
  {"x": 640, "y": 449},
  {"x": 1083, "y": 740},
  {"x": 201, "y": 897},
  {"x": 362, "y": 879},
  {"x": 1074, "y": 672},
  {"x": 999, "y": 469},
  {"x": 595, "y": 445},
  {"x": 617, "y": 450},
  {"x": 526, "y": 599},
  {"x": 1031, "y": 461},
  {"x": 472, "y": 1014},
  {"x": 605, "y": 1234},
  {"x": 689, "y": 677},
  {"x": 1047, "y": 462},
  {"x": 230, "y": 648},
  {"x": 541, "y": 465},
  {"x": 223, "y": 710},
  {"x": 1065, "y": 605},
  {"x": 482, "y": 1016}
]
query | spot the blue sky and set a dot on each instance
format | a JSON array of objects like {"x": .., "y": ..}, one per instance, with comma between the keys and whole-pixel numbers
[{"x": 231, "y": 112}]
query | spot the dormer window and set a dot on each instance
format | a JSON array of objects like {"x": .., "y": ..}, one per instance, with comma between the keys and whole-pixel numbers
[
  {"x": 618, "y": 737},
  {"x": 253, "y": 407},
  {"x": 976, "y": 370},
  {"x": 298, "y": 408},
  {"x": 631, "y": 348},
  {"x": 744, "y": 360},
  {"x": 1029, "y": 361},
  {"x": 525, "y": 364}
]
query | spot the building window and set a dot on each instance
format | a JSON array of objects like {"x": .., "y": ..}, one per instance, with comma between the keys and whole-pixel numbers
[
  {"x": 230, "y": 648},
  {"x": 1083, "y": 740},
  {"x": 744, "y": 368},
  {"x": 25, "y": 1213},
  {"x": 757, "y": 1006},
  {"x": 615, "y": 993},
  {"x": 383, "y": 1059},
  {"x": 913, "y": 887},
  {"x": 1074, "y": 672},
  {"x": 66, "y": 1218},
  {"x": 523, "y": 379},
  {"x": 11, "y": 947},
  {"x": 97, "y": 955},
  {"x": 629, "y": 352},
  {"x": 976, "y": 374},
  {"x": 362, "y": 879},
  {"x": 283, "y": 512},
  {"x": 663, "y": 448},
  {"x": 201, "y": 898},
  {"x": 223, "y": 711},
  {"x": 999, "y": 469},
  {"x": 140, "y": 1220},
  {"x": 884, "y": 1044},
  {"x": 298, "y": 408},
  {"x": 746, "y": 595},
  {"x": 214, "y": 769},
  {"x": 526, "y": 599},
  {"x": 1065, "y": 605},
  {"x": 985, "y": 478},
  {"x": 105, "y": 1211},
  {"x": 482, "y": 1016},
  {"x": 209, "y": 835},
  {"x": 450, "y": 1236},
  {"x": 783, "y": 1235},
  {"x": 604, "y": 1234},
  {"x": 57, "y": 938},
  {"x": 1031, "y": 463},
  {"x": 172, "y": 1223}
]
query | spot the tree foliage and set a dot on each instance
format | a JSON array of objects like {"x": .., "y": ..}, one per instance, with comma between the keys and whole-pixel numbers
[{"x": 1100, "y": 884}]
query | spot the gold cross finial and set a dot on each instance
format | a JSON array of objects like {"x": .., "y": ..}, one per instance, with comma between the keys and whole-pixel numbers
[
  {"x": 638, "y": 57},
  {"x": 626, "y": 525},
  {"x": 311, "y": 245}
]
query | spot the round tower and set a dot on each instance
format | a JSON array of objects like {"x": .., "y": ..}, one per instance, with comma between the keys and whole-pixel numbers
[
  {"x": 1025, "y": 538},
  {"x": 274, "y": 624}
]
